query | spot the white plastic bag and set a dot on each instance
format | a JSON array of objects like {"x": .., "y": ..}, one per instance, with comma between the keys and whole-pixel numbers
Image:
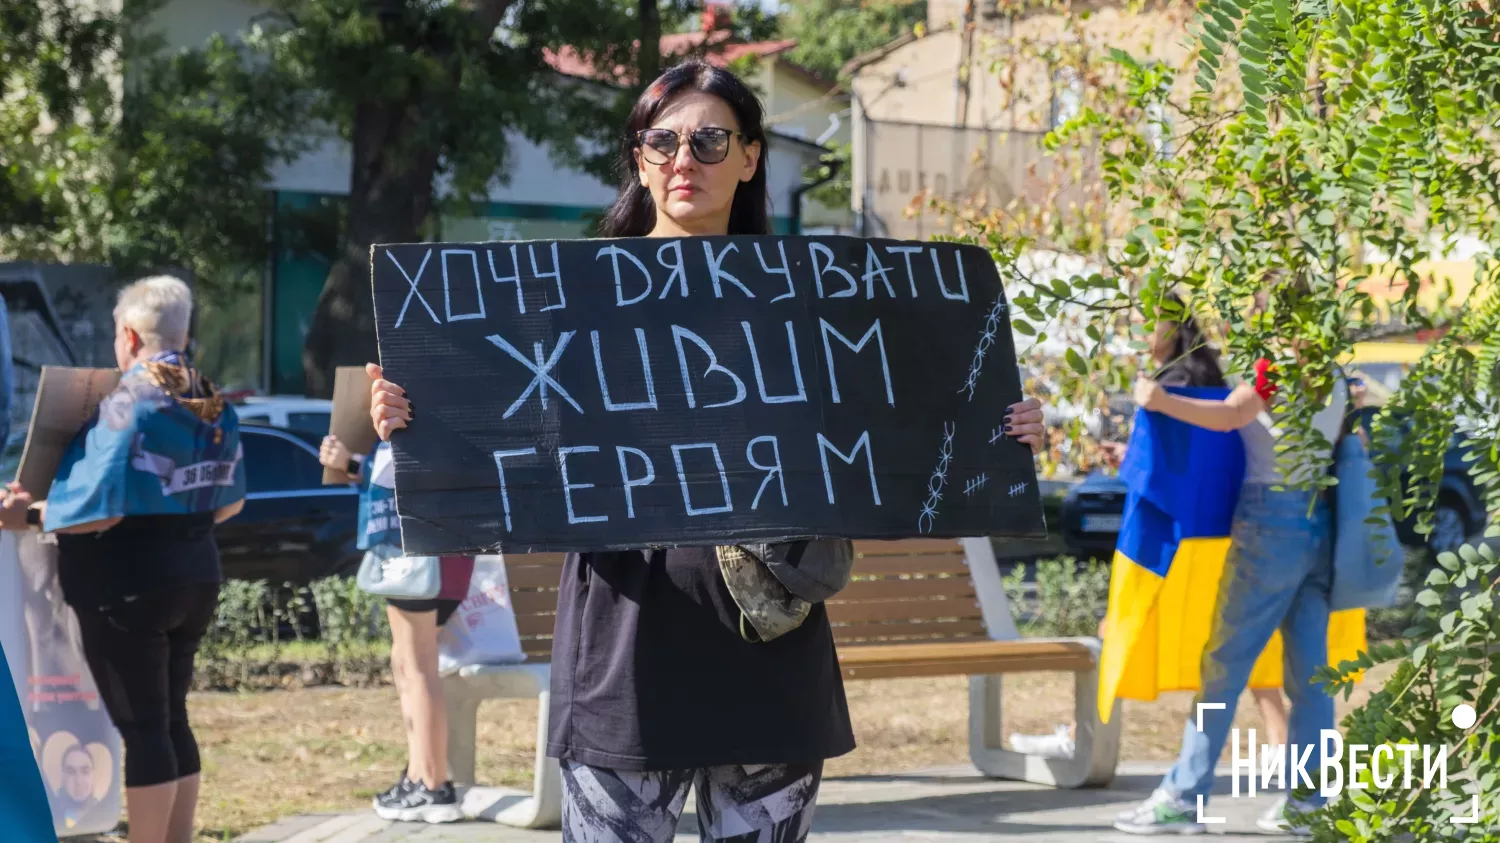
[{"x": 483, "y": 630}]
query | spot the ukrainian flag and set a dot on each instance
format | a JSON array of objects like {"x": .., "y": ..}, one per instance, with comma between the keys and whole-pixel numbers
[{"x": 1184, "y": 482}]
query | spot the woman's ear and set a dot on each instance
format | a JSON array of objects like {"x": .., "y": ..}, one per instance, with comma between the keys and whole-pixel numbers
[
  {"x": 752, "y": 161},
  {"x": 640, "y": 168}
]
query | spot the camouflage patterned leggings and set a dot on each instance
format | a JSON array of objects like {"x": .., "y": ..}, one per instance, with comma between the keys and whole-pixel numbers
[{"x": 735, "y": 804}]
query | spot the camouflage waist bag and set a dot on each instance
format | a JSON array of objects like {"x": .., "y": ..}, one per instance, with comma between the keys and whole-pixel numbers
[{"x": 776, "y": 585}]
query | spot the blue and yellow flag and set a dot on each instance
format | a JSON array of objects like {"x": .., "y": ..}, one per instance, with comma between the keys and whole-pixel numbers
[
  {"x": 162, "y": 443},
  {"x": 1184, "y": 482}
]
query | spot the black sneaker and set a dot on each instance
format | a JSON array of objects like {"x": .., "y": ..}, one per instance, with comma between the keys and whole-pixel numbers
[
  {"x": 419, "y": 803},
  {"x": 394, "y": 795}
]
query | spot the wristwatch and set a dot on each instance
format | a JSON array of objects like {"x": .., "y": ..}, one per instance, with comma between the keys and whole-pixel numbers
[
  {"x": 33, "y": 517},
  {"x": 353, "y": 466}
]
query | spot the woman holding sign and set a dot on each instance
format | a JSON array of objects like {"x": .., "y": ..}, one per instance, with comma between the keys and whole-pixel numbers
[
  {"x": 694, "y": 667},
  {"x": 423, "y": 793},
  {"x": 134, "y": 504}
]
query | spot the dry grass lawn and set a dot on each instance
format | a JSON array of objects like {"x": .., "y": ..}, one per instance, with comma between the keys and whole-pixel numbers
[{"x": 271, "y": 754}]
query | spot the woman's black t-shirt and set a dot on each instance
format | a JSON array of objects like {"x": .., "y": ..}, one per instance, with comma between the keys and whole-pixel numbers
[
  {"x": 649, "y": 671},
  {"x": 139, "y": 555}
]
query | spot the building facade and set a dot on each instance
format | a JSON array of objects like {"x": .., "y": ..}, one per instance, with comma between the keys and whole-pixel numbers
[{"x": 959, "y": 111}]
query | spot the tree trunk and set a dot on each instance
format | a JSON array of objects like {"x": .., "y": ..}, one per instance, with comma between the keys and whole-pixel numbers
[
  {"x": 390, "y": 196},
  {"x": 389, "y": 199},
  {"x": 650, "y": 51}
]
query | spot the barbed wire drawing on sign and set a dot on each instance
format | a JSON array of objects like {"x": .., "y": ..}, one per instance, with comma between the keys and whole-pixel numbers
[
  {"x": 986, "y": 339},
  {"x": 938, "y": 479}
]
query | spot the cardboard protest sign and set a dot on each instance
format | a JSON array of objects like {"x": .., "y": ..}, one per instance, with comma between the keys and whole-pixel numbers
[
  {"x": 350, "y": 420},
  {"x": 614, "y": 394},
  {"x": 66, "y": 399}
]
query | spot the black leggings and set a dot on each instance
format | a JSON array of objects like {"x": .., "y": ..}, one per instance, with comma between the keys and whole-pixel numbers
[{"x": 141, "y": 654}]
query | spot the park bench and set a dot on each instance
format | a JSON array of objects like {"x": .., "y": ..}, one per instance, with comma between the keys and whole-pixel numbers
[{"x": 922, "y": 607}]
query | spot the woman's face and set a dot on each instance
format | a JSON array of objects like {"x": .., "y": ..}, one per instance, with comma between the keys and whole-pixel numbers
[
  {"x": 693, "y": 197},
  {"x": 1164, "y": 341}
]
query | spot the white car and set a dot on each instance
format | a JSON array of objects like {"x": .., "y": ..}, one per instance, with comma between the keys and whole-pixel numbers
[{"x": 291, "y": 412}]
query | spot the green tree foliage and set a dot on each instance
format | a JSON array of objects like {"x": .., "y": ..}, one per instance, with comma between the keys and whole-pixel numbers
[
  {"x": 831, "y": 32},
  {"x": 160, "y": 166},
  {"x": 117, "y": 152},
  {"x": 428, "y": 92},
  {"x": 1310, "y": 153},
  {"x": 1449, "y": 659}
]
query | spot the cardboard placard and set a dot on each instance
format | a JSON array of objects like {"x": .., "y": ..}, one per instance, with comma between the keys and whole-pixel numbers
[
  {"x": 617, "y": 394},
  {"x": 66, "y": 399},
  {"x": 350, "y": 420}
]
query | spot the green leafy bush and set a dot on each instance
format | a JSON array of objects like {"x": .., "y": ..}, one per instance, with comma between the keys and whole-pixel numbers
[
  {"x": 1449, "y": 659},
  {"x": 266, "y": 636},
  {"x": 1068, "y": 598}
]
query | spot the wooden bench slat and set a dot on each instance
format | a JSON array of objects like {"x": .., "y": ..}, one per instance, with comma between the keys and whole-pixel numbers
[
  {"x": 533, "y": 576},
  {"x": 906, "y": 547},
  {"x": 855, "y": 633},
  {"x": 535, "y": 624},
  {"x": 894, "y": 589},
  {"x": 934, "y": 607},
  {"x": 968, "y": 668},
  {"x": 534, "y": 602},
  {"x": 1024, "y": 647},
  {"x": 884, "y": 566},
  {"x": 975, "y": 658}
]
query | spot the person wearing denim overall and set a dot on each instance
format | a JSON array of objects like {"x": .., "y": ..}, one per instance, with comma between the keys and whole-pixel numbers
[{"x": 1277, "y": 576}]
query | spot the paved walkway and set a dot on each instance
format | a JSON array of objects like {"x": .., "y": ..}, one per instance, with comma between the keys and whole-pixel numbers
[{"x": 946, "y": 804}]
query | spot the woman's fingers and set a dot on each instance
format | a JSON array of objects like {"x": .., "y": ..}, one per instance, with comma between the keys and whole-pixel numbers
[
  {"x": 389, "y": 417},
  {"x": 390, "y": 410}
]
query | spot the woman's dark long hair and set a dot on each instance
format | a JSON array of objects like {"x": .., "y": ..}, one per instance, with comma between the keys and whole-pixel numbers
[
  {"x": 634, "y": 212},
  {"x": 1192, "y": 358}
]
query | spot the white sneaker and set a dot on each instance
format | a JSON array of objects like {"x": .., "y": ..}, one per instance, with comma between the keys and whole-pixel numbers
[
  {"x": 1056, "y": 745},
  {"x": 1276, "y": 821},
  {"x": 1157, "y": 796},
  {"x": 1163, "y": 813}
]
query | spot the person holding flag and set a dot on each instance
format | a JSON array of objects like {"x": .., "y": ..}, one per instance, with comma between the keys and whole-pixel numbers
[
  {"x": 1153, "y": 662},
  {"x": 1211, "y": 505},
  {"x": 133, "y": 504}
]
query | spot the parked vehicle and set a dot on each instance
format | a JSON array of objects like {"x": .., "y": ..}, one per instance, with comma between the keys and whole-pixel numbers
[
  {"x": 1091, "y": 515},
  {"x": 291, "y": 412},
  {"x": 293, "y": 528}
]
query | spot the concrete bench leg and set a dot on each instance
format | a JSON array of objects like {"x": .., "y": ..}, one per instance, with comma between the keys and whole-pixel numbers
[
  {"x": 463, "y": 732},
  {"x": 1097, "y": 745},
  {"x": 542, "y": 809}
]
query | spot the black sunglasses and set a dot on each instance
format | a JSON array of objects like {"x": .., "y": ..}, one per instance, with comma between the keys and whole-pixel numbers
[{"x": 709, "y": 146}]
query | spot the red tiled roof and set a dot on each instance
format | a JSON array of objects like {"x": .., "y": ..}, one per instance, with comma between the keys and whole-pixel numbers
[{"x": 715, "y": 48}]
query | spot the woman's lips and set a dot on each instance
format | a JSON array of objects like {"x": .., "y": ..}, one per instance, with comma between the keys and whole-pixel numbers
[{"x": 683, "y": 190}]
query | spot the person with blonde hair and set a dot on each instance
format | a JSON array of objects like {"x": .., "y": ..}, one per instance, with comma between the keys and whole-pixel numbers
[{"x": 133, "y": 504}]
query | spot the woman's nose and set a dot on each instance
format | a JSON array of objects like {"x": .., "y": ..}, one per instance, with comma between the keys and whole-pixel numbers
[{"x": 684, "y": 159}]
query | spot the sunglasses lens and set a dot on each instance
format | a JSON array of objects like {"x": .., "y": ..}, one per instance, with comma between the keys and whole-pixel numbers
[
  {"x": 711, "y": 145},
  {"x": 659, "y": 145}
]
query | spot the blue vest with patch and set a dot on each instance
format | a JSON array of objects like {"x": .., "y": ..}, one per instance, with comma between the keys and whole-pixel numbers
[{"x": 146, "y": 452}]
